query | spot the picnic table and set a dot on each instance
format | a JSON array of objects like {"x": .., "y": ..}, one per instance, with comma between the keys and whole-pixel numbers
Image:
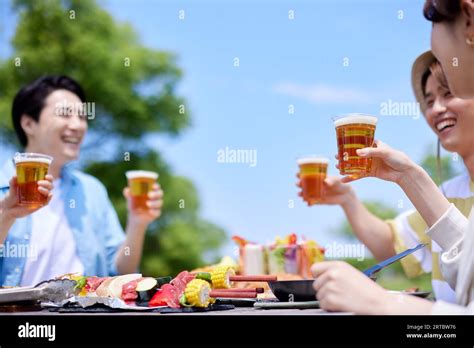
[{"x": 237, "y": 311}]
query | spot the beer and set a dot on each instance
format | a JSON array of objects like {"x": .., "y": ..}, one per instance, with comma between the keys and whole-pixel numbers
[
  {"x": 313, "y": 170},
  {"x": 354, "y": 131},
  {"x": 31, "y": 168},
  {"x": 140, "y": 183}
]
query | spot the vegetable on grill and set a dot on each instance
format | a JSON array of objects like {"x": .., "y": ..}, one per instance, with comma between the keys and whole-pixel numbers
[
  {"x": 196, "y": 293},
  {"x": 220, "y": 277}
]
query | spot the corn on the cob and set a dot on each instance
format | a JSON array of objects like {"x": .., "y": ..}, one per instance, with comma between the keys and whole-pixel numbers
[
  {"x": 197, "y": 293},
  {"x": 220, "y": 277}
]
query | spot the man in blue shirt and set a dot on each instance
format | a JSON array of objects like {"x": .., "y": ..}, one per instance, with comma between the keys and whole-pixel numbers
[{"x": 78, "y": 231}]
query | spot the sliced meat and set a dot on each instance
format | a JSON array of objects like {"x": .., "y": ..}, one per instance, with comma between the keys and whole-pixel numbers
[
  {"x": 93, "y": 283},
  {"x": 181, "y": 280},
  {"x": 129, "y": 290}
]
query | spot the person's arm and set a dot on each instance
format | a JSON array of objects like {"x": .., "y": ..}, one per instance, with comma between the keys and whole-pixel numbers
[
  {"x": 448, "y": 233},
  {"x": 369, "y": 229},
  {"x": 341, "y": 287},
  {"x": 375, "y": 233},
  {"x": 444, "y": 308},
  {"x": 421, "y": 190},
  {"x": 6, "y": 222},
  {"x": 130, "y": 253},
  {"x": 392, "y": 165},
  {"x": 10, "y": 210}
]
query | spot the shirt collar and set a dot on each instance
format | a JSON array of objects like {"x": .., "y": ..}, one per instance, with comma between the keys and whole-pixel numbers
[{"x": 67, "y": 175}]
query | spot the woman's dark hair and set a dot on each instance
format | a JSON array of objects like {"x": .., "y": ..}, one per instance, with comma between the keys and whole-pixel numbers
[
  {"x": 31, "y": 98},
  {"x": 441, "y": 10}
]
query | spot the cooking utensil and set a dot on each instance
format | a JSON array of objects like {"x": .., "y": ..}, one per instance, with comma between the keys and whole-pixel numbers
[
  {"x": 374, "y": 269},
  {"x": 54, "y": 291},
  {"x": 293, "y": 290},
  {"x": 287, "y": 305},
  {"x": 422, "y": 294}
]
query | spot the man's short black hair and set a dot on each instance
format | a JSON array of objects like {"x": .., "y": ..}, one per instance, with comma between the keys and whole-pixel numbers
[{"x": 31, "y": 98}]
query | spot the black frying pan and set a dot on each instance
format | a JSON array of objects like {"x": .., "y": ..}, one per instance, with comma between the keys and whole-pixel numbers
[
  {"x": 302, "y": 290},
  {"x": 295, "y": 290}
]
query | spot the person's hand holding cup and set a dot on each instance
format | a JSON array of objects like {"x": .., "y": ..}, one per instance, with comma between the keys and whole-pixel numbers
[
  {"x": 144, "y": 196},
  {"x": 312, "y": 173}
]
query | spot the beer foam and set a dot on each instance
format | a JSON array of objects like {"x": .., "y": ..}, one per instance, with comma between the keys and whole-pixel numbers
[
  {"x": 355, "y": 118},
  {"x": 312, "y": 160},
  {"x": 22, "y": 158},
  {"x": 133, "y": 174}
]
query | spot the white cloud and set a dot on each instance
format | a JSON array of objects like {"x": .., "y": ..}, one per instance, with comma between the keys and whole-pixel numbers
[{"x": 323, "y": 94}]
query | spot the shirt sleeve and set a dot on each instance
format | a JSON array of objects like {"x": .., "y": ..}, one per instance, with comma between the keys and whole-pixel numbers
[
  {"x": 448, "y": 232},
  {"x": 408, "y": 230},
  {"x": 445, "y": 308}
]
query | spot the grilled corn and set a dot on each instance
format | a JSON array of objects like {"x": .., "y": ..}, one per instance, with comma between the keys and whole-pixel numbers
[
  {"x": 220, "y": 277},
  {"x": 197, "y": 293}
]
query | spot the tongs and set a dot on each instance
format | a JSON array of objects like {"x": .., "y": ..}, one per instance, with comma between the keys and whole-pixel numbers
[
  {"x": 55, "y": 291},
  {"x": 374, "y": 269}
]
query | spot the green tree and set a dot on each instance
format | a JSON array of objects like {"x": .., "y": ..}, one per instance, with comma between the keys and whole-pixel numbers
[
  {"x": 441, "y": 170},
  {"x": 133, "y": 89},
  {"x": 379, "y": 209}
]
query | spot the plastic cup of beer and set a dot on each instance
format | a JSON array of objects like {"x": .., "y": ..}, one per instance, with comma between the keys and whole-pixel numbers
[
  {"x": 31, "y": 168},
  {"x": 313, "y": 171},
  {"x": 354, "y": 131},
  {"x": 140, "y": 183}
]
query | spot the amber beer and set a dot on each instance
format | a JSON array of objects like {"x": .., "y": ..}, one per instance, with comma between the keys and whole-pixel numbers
[
  {"x": 140, "y": 183},
  {"x": 354, "y": 131},
  {"x": 31, "y": 168},
  {"x": 313, "y": 170}
]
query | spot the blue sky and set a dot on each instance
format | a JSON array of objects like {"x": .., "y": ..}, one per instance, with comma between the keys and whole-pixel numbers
[{"x": 282, "y": 62}]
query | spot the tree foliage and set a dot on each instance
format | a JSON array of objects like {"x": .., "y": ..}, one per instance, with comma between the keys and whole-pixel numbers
[
  {"x": 379, "y": 209},
  {"x": 133, "y": 88},
  {"x": 445, "y": 167}
]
